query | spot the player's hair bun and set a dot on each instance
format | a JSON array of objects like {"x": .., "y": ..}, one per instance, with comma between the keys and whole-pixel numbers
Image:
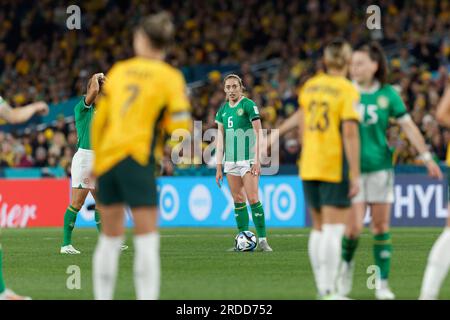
[{"x": 337, "y": 54}]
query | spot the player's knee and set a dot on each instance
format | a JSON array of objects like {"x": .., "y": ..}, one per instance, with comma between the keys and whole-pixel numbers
[
  {"x": 380, "y": 227},
  {"x": 238, "y": 198},
  {"x": 353, "y": 231},
  {"x": 77, "y": 204},
  {"x": 253, "y": 199}
]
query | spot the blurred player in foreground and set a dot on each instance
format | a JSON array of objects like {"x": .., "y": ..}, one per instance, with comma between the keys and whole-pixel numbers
[
  {"x": 379, "y": 103},
  {"x": 238, "y": 121},
  {"x": 329, "y": 163},
  {"x": 142, "y": 95},
  {"x": 17, "y": 115},
  {"x": 439, "y": 258}
]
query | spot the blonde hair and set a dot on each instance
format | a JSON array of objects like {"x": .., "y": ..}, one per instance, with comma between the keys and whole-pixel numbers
[
  {"x": 159, "y": 28},
  {"x": 337, "y": 54}
]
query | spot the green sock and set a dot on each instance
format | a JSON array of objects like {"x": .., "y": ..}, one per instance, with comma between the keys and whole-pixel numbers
[
  {"x": 241, "y": 215},
  {"x": 2, "y": 282},
  {"x": 259, "y": 219},
  {"x": 69, "y": 223},
  {"x": 98, "y": 224},
  {"x": 382, "y": 250},
  {"x": 348, "y": 248}
]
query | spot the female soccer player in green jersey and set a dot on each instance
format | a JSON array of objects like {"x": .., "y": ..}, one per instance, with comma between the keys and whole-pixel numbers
[
  {"x": 379, "y": 103},
  {"x": 438, "y": 263},
  {"x": 16, "y": 115},
  {"x": 238, "y": 119},
  {"x": 82, "y": 181}
]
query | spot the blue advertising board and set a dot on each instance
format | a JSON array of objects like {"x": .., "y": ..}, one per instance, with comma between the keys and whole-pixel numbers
[{"x": 199, "y": 202}]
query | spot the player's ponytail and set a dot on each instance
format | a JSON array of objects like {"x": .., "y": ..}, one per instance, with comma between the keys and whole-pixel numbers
[
  {"x": 376, "y": 54},
  {"x": 159, "y": 28},
  {"x": 337, "y": 54}
]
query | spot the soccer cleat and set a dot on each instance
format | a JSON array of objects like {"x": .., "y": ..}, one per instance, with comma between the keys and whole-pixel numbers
[
  {"x": 69, "y": 249},
  {"x": 123, "y": 247},
  {"x": 384, "y": 294},
  {"x": 264, "y": 246},
  {"x": 345, "y": 278},
  {"x": 8, "y": 294}
]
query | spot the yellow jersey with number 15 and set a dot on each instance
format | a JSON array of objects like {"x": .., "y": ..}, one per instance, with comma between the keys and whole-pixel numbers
[
  {"x": 326, "y": 102},
  {"x": 140, "y": 98}
]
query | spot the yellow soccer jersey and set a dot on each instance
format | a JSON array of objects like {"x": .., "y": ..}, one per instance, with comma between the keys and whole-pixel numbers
[
  {"x": 140, "y": 98},
  {"x": 326, "y": 101}
]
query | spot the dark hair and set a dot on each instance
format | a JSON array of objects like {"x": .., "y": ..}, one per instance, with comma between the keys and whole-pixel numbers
[
  {"x": 159, "y": 29},
  {"x": 234, "y": 76},
  {"x": 376, "y": 54}
]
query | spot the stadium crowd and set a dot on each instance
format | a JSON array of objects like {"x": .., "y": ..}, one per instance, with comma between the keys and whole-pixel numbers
[{"x": 41, "y": 59}]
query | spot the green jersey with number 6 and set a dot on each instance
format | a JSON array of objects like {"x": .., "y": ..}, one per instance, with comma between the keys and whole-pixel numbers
[
  {"x": 238, "y": 129},
  {"x": 83, "y": 118},
  {"x": 376, "y": 107}
]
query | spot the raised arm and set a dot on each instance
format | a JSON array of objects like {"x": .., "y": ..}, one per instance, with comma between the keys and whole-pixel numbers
[{"x": 94, "y": 88}]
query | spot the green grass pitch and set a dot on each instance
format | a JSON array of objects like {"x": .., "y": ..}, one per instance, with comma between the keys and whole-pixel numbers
[{"x": 196, "y": 265}]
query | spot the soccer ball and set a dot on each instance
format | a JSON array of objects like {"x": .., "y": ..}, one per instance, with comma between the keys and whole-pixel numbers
[{"x": 245, "y": 241}]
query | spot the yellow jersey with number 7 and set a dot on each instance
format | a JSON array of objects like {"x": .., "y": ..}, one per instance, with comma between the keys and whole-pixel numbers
[
  {"x": 141, "y": 97},
  {"x": 326, "y": 101}
]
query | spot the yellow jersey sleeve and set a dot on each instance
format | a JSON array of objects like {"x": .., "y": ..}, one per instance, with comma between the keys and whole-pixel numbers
[
  {"x": 178, "y": 109},
  {"x": 301, "y": 99},
  {"x": 350, "y": 100}
]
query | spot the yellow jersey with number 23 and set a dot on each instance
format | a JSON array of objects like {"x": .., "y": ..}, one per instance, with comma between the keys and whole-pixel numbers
[{"x": 326, "y": 101}]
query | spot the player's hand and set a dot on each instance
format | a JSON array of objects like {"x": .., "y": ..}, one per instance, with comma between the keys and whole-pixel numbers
[
  {"x": 354, "y": 187},
  {"x": 219, "y": 176},
  {"x": 40, "y": 108},
  {"x": 256, "y": 169},
  {"x": 433, "y": 170},
  {"x": 96, "y": 79}
]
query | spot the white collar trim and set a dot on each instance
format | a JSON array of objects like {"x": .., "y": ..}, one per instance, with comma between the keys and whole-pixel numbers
[
  {"x": 237, "y": 102},
  {"x": 374, "y": 88}
]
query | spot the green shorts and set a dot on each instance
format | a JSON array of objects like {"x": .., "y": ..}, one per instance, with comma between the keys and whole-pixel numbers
[
  {"x": 129, "y": 183},
  {"x": 319, "y": 194}
]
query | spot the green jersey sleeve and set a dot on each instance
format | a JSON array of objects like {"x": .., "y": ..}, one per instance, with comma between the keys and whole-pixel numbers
[
  {"x": 81, "y": 106},
  {"x": 251, "y": 109},
  {"x": 219, "y": 115},
  {"x": 397, "y": 108}
]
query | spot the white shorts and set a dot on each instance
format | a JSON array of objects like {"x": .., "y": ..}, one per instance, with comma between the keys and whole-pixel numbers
[
  {"x": 376, "y": 187},
  {"x": 81, "y": 169},
  {"x": 239, "y": 168}
]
